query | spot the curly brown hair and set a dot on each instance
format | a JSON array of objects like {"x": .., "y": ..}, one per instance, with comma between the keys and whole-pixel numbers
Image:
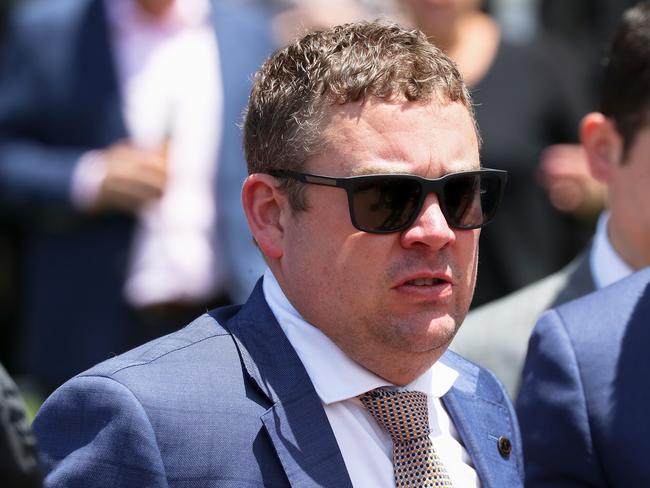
[{"x": 294, "y": 89}]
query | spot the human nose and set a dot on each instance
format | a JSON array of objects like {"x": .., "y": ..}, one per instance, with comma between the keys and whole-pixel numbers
[{"x": 430, "y": 228}]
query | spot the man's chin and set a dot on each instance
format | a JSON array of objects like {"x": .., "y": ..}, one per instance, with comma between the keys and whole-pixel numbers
[{"x": 432, "y": 337}]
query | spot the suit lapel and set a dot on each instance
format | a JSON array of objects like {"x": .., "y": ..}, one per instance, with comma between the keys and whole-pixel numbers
[
  {"x": 480, "y": 423},
  {"x": 296, "y": 423}
]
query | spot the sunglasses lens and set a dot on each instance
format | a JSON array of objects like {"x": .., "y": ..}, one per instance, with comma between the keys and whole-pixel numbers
[
  {"x": 384, "y": 204},
  {"x": 471, "y": 200}
]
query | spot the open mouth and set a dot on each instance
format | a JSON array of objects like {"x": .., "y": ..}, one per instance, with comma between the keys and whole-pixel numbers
[{"x": 426, "y": 282}]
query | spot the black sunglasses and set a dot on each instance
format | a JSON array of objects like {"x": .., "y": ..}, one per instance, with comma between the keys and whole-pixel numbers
[{"x": 385, "y": 203}]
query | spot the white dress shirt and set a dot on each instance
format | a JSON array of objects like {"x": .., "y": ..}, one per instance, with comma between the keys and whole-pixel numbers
[
  {"x": 168, "y": 73},
  {"x": 607, "y": 265},
  {"x": 366, "y": 447}
]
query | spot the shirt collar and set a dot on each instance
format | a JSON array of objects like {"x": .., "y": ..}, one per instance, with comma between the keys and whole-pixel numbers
[
  {"x": 607, "y": 265},
  {"x": 334, "y": 375}
]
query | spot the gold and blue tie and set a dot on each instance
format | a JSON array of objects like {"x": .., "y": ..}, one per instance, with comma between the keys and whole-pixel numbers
[{"x": 405, "y": 416}]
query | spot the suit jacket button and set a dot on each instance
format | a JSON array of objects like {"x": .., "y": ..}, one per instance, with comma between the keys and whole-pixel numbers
[{"x": 505, "y": 447}]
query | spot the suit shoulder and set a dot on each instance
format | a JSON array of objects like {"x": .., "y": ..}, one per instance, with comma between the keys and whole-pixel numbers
[
  {"x": 616, "y": 302},
  {"x": 183, "y": 342}
]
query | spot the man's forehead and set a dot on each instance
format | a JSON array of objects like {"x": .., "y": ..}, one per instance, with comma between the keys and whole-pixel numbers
[
  {"x": 356, "y": 112},
  {"x": 374, "y": 117},
  {"x": 403, "y": 167},
  {"x": 390, "y": 137}
]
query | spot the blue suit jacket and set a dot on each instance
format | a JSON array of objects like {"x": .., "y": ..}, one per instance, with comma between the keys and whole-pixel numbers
[
  {"x": 227, "y": 402},
  {"x": 583, "y": 405},
  {"x": 59, "y": 97}
]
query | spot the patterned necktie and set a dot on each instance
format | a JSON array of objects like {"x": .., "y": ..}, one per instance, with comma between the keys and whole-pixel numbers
[{"x": 405, "y": 416}]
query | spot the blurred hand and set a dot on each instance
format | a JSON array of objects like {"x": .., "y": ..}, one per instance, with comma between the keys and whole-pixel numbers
[
  {"x": 564, "y": 172},
  {"x": 133, "y": 177}
]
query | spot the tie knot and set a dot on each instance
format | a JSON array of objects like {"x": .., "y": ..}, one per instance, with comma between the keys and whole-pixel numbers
[{"x": 403, "y": 414}]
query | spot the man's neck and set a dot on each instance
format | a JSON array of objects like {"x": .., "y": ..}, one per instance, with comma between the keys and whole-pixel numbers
[
  {"x": 624, "y": 246},
  {"x": 607, "y": 263},
  {"x": 400, "y": 370}
]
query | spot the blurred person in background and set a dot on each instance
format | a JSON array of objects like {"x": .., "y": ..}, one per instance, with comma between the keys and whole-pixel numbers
[
  {"x": 585, "y": 380},
  {"x": 528, "y": 97},
  {"x": 120, "y": 159},
  {"x": 616, "y": 141}
]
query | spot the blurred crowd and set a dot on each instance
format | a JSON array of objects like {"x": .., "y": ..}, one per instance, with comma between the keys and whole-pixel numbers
[{"x": 121, "y": 162}]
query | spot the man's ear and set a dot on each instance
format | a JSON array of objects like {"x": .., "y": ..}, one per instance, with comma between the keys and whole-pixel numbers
[
  {"x": 603, "y": 145},
  {"x": 263, "y": 204}
]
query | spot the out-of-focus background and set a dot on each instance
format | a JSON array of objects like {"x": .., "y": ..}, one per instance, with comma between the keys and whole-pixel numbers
[{"x": 120, "y": 160}]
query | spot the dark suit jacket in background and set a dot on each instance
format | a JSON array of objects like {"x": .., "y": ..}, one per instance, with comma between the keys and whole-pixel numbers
[
  {"x": 227, "y": 402},
  {"x": 496, "y": 335},
  {"x": 585, "y": 395},
  {"x": 59, "y": 97}
]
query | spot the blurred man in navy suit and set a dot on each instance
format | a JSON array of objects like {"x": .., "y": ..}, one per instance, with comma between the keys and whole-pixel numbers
[
  {"x": 616, "y": 142},
  {"x": 584, "y": 384},
  {"x": 585, "y": 393}
]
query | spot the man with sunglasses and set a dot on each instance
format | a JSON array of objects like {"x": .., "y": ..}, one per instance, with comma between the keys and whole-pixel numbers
[{"x": 365, "y": 196}]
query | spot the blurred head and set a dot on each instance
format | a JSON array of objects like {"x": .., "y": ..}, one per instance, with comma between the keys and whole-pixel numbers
[
  {"x": 617, "y": 139},
  {"x": 358, "y": 99}
]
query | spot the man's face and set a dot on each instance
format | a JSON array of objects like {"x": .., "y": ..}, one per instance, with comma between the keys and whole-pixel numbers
[
  {"x": 629, "y": 202},
  {"x": 389, "y": 300}
]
